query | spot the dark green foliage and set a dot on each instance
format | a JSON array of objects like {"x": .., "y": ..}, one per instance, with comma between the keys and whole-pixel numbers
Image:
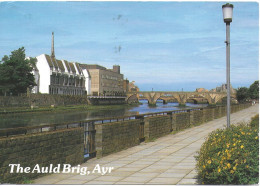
[
  {"x": 245, "y": 93},
  {"x": 230, "y": 156},
  {"x": 254, "y": 90},
  {"x": 255, "y": 121},
  {"x": 242, "y": 94},
  {"x": 15, "y": 73}
]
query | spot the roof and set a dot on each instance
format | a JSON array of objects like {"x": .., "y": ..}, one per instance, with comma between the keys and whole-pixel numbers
[
  {"x": 58, "y": 65},
  {"x": 92, "y": 66}
]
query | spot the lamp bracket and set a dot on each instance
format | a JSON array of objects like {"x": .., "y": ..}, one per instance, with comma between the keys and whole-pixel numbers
[{"x": 227, "y": 42}]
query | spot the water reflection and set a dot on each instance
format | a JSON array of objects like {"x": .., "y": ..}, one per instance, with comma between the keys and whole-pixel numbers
[
  {"x": 160, "y": 107},
  {"x": 33, "y": 119}
]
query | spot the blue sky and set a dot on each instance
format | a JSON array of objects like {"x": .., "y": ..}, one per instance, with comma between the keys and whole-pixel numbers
[{"x": 160, "y": 45}]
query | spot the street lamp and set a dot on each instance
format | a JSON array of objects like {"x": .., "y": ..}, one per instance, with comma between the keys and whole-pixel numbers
[{"x": 227, "y": 10}]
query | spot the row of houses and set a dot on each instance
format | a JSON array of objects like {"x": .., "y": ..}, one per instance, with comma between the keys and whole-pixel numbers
[{"x": 54, "y": 76}]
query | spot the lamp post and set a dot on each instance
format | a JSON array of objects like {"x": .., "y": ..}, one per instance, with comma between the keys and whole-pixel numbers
[{"x": 227, "y": 15}]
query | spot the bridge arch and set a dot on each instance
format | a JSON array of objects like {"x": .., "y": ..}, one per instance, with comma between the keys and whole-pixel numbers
[
  {"x": 224, "y": 97},
  {"x": 166, "y": 99},
  {"x": 199, "y": 96},
  {"x": 132, "y": 98}
]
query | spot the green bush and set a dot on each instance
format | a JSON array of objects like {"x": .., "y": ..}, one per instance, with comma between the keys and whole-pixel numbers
[
  {"x": 255, "y": 121},
  {"x": 230, "y": 156}
]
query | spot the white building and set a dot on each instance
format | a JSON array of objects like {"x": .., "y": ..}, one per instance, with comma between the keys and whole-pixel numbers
[
  {"x": 60, "y": 76},
  {"x": 87, "y": 81}
]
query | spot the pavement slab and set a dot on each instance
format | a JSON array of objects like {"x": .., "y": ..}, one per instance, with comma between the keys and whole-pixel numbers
[{"x": 167, "y": 160}]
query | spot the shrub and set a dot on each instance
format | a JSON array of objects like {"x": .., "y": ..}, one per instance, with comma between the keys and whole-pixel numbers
[
  {"x": 255, "y": 121},
  {"x": 230, "y": 156}
]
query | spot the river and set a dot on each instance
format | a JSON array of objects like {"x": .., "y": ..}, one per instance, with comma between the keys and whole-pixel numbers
[{"x": 42, "y": 118}]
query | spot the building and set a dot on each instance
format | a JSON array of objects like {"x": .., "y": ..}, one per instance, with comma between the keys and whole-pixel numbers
[
  {"x": 223, "y": 88},
  {"x": 133, "y": 87},
  {"x": 105, "y": 82},
  {"x": 201, "y": 90},
  {"x": 126, "y": 85},
  {"x": 60, "y": 76}
]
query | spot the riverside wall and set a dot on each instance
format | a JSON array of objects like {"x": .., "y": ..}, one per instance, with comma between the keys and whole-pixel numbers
[
  {"x": 42, "y": 100},
  {"x": 55, "y": 147},
  {"x": 66, "y": 145},
  {"x": 47, "y": 100},
  {"x": 117, "y": 136}
]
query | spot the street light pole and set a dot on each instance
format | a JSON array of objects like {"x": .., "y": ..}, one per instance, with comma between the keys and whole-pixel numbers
[
  {"x": 227, "y": 14},
  {"x": 228, "y": 71}
]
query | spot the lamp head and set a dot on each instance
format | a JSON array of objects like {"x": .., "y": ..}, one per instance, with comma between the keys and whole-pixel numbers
[{"x": 227, "y": 10}]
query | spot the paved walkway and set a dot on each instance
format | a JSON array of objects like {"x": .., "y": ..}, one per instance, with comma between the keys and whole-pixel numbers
[{"x": 168, "y": 160}]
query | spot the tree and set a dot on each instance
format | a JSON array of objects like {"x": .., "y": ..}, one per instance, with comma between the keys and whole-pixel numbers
[
  {"x": 254, "y": 90},
  {"x": 242, "y": 94},
  {"x": 16, "y": 73}
]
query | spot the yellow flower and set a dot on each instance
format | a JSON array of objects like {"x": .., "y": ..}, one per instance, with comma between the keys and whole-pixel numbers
[
  {"x": 234, "y": 168},
  {"x": 204, "y": 166},
  {"x": 228, "y": 165},
  {"x": 242, "y": 146},
  {"x": 256, "y": 137},
  {"x": 244, "y": 160},
  {"x": 234, "y": 144},
  {"x": 242, "y": 133},
  {"x": 209, "y": 161},
  {"x": 226, "y": 150},
  {"x": 231, "y": 171},
  {"x": 247, "y": 166},
  {"x": 228, "y": 145},
  {"x": 219, "y": 170},
  {"x": 228, "y": 156}
]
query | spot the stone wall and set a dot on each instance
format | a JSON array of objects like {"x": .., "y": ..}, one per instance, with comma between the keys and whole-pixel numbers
[
  {"x": 107, "y": 101},
  {"x": 42, "y": 100},
  {"x": 208, "y": 114},
  {"x": 56, "y": 147},
  {"x": 197, "y": 117},
  {"x": 67, "y": 145},
  {"x": 217, "y": 112},
  {"x": 116, "y": 136},
  {"x": 157, "y": 126},
  {"x": 181, "y": 120}
]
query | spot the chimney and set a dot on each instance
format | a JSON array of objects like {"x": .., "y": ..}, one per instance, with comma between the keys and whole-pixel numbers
[
  {"x": 52, "y": 46},
  {"x": 116, "y": 68}
]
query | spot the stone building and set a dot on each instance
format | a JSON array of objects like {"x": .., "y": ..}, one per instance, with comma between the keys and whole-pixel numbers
[
  {"x": 223, "y": 88},
  {"x": 105, "y": 82},
  {"x": 60, "y": 76},
  {"x": 126, "y": 85},
  {"x": 133, "y": 87},
  {"x": 201, "y": 90}
]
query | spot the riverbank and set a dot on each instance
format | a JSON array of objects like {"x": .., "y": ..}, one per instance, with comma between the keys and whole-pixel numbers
[{"x": 63, "y": 108}]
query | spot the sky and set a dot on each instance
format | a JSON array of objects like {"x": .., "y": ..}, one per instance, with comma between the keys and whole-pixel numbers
[{"x": 164, "y": 46}]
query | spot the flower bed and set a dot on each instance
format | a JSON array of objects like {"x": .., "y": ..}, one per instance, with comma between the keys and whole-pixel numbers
[{"x": 230, "y": 156}]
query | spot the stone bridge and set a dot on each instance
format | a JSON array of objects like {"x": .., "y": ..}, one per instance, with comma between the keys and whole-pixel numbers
[{"x": 181, "y": 97}]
